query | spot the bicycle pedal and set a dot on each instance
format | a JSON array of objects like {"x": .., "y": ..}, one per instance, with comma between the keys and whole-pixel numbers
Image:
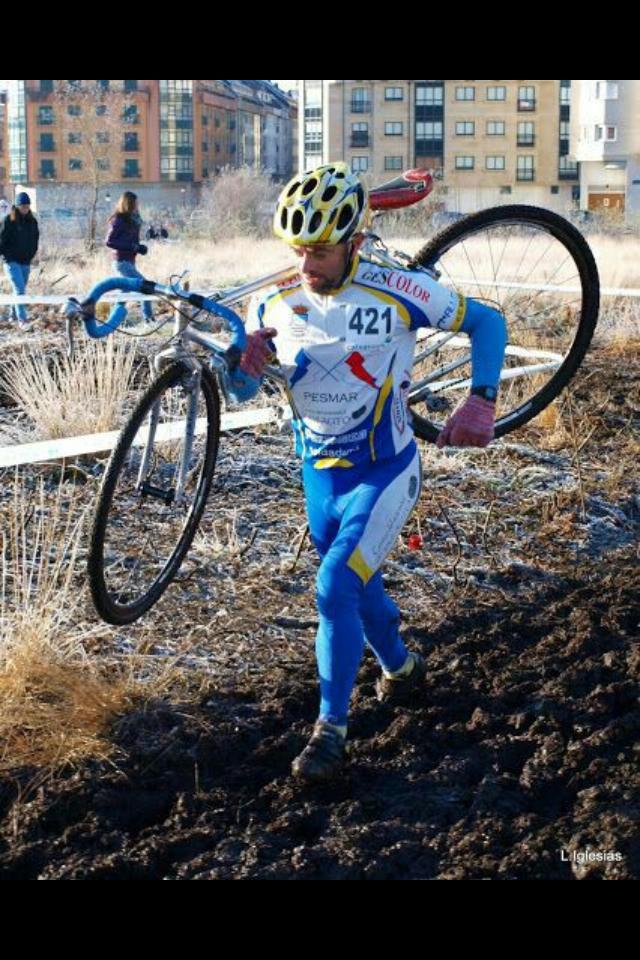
[{"x": 148, "y": 490}]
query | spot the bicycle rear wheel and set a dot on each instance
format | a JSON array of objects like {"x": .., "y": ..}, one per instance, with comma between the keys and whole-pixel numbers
[
  {"x": 153, "y": 493},
  {"x": 536, "y": 268}
]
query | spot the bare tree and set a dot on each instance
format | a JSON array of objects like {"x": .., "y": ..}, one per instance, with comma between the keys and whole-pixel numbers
[{"x": 93, "y": 122}]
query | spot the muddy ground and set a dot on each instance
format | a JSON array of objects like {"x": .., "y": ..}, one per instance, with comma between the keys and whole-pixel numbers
[{"x": 520, "y": 755}]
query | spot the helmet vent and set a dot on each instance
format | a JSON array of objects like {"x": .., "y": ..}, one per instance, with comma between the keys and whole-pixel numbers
[
  {"x": 346, "y": 216},
  {"x": 329, "y": 193},
  {"x": 297, "y": 222},
  {"x": 315, "y": 222}
]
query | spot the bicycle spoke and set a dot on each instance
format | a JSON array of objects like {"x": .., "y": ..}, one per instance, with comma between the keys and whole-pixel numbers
[{"x": 531, "y": 274}]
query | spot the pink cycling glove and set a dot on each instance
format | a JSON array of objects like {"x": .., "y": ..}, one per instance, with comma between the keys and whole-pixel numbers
[
  {"x": 472, "y": 425},
  {"x": 257, "y": 352}
]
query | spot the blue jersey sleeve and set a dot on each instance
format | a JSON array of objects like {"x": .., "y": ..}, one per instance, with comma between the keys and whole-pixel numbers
[{"x": 488, "y": 332}]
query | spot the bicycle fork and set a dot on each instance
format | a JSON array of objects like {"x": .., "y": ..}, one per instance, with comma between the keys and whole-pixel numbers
[{"x": 172, "y": 495}]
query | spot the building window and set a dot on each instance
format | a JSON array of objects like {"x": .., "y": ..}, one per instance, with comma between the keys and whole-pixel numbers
[
  {"x": 45, "y": 116},
  {"x": 606, "y": 89},
  {"x": 393, "y": 129},
  {"x": 74, "y": 138},
  {"x": 102, "y": 136},
  {"x": 360, "y": 102},
  {"x": 525, "y": 169},
  {"x": 429, "y": 130},
  {"x": 567, "y": 169},
  {"x": 359, "y": 164},
  {"x": 465, "y": 128},
  {"x": 393, "y": 163},
  {"x": 429, "y": 96},
  {"x": 393, "y": 93},
  {"x": 555, "y": 189},
  {"x": 46, "y": 86},
  {"x": 465, "y": 93},
  {"x": 75, "y": 164},
  {"x": 74, "y": 110},
  {"x": 131, "y": 141},
  {"x": 526, "y": 134},
  {"x": 496, "y": 93},
  {"x": 495, "y": 163},
  {"x": 495, "y": 128},
  {"x": 101, "y": 110},
  {"x": 131, "y": 168},
  {"x": 103, "y": 84},
  {"x": 130, "y": 85},
  {"x": 47, "y": 170},
  {"x": 565, "y": 93},
  {"x": 46, "y": 142},
  {"x": 359, "y": 134},
  {"x": 526, "y": 98},
  {"x": 130, "y": 113},
  {"x": 606, "y": 133},
  {"x": 465, "y": 163}
]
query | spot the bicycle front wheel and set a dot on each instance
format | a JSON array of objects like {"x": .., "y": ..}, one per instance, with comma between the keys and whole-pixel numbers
[
  {"x": 538, "y": 270},
  {"x": 153, "y": 493}
]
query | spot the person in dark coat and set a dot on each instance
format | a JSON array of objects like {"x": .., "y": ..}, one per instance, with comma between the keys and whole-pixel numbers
[
  {"x": 19, "y": 238},
  {"x": 123, "y": 239}
]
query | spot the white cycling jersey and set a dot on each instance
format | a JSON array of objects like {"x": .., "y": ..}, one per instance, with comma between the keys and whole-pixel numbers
[{"x": 347, "y": 357}]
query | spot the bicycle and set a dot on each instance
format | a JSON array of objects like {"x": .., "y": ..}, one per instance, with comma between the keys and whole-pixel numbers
[{"x": 159, "y": 475}]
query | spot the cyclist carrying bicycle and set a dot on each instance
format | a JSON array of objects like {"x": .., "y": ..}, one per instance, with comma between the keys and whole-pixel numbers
[{"x": 345, "y": 332}]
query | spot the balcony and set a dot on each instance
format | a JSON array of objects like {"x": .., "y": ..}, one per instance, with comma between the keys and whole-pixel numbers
[
  {"x": 526, "y": 141},
  {"x": 360, "y": 106},
  {"x": 526, "y": 104},
  {"x": 129, "y": 173},
  {"x": 359, "y": 140}
]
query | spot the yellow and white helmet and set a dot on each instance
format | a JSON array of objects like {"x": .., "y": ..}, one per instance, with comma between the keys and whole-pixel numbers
[{"x": 325, "y": 205}]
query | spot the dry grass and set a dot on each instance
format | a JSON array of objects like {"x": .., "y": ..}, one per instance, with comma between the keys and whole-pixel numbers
[
  {"x": 66, "y": 269},
  {"x": 56, "y": 706},
  {"x": 64, "y": 398}
]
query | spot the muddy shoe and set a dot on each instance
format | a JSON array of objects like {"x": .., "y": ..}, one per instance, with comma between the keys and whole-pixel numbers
[
  {"x": 324, "y": 755},
  {"x": 402, "y": 689}
]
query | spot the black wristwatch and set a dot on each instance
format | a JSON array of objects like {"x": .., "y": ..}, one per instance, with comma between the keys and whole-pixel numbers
[{"x": 487, "y": 393}]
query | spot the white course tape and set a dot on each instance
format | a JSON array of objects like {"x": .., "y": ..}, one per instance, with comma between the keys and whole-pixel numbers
[
  {"x": 52, "y": 299},
  {"x": 43, "y": 450}
]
